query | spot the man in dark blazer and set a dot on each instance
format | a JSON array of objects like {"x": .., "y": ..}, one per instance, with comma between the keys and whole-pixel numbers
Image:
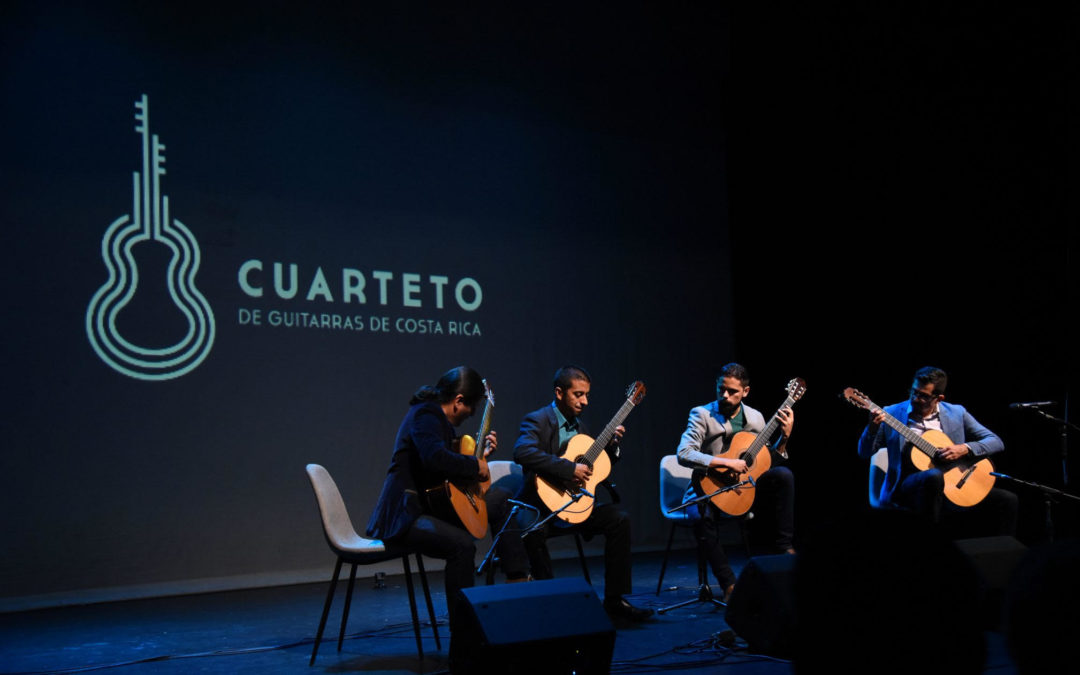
[
  {"x": 543, "y": 434},
  {"x": 424, "y": 456}
]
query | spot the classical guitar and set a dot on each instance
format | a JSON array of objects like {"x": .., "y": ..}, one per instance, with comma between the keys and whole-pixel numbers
[
  {"x": 747, "y": 446},
  {"x": 464, "y": 500},
  {"x": 582, "y": 449},
  {"x": 967, "y": 480}
]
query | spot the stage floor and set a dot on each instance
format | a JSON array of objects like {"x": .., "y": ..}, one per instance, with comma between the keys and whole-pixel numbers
[{"x": 271, "y": 630}]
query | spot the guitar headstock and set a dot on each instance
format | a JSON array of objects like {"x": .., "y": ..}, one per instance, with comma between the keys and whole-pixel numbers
[
  {"x": 489, "y": 394},
  {"x": 857, "y": 399},
  {"x": 635, "y": 392},
  {"x": 796, "y": 388}
]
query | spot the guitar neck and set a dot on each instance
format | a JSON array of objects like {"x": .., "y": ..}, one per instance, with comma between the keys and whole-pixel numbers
[
  {"x": 608, "y": 433},
  {"x": 485, "y": 428},
  {"x": 767, "y": 433},
  {"x": 909, "y": 434}
]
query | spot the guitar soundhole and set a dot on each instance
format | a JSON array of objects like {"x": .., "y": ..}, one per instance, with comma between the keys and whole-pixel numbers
[{"x": 581, "y": 459}]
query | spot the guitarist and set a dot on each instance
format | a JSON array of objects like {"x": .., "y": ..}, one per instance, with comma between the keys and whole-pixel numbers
[
  {"x": 923, "y": 491},
  {"x": 423, "y": 457},
  {"x": 708, "y": 435},
  {"x": 543, "y": 433}
]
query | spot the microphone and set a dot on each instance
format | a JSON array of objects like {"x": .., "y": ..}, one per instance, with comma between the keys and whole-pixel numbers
[
  {"x": 523, "y": 505},
  {"x": 1031, "y": 404},
  {"x": 583, "y": 491}
]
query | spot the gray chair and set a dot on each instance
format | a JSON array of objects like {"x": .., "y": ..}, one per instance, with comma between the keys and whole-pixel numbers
[
  {"x": 510, "y": 477},
  {"x": 349, "y": 547}
]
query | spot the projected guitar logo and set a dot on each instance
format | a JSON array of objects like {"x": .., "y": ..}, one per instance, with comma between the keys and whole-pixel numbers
[{"x": 150, "y": 223}]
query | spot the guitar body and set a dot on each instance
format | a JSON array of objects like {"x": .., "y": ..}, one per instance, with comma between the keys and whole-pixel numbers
[
  {"x": 738, "y": 501},
  {"x": 462, "y": 501},
  {"x": 555, "y": 494},
  {"x": 967, "y": 481}
]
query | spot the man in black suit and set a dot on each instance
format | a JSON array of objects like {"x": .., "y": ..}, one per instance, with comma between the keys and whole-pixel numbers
[{"x": 544, "y": 433}]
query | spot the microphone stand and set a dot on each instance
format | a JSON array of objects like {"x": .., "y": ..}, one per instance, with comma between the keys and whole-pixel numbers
[
  {"x": 1048, "y": 494},
  {"x": 705, "y": 592},
  {"x": 1063, "y": 425},
  {"x": 536, "y": 526},
  {"x": 495, "y": 540}
]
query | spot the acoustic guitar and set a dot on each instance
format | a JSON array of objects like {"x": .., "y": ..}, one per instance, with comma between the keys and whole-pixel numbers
[
  {"x": 747, "y": 446},
  {"x": 967, "y": 480},
  {"x": 582, "y": 449},
  {"x": 464, "y": 500}
]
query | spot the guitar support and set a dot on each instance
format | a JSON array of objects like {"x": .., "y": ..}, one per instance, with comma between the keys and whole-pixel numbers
[{"x": 705, "y": 592}]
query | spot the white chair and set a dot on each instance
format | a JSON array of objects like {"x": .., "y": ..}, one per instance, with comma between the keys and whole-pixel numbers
[
  {"x": 356, "y": 550},
  {"x": 879, "y": 467}
]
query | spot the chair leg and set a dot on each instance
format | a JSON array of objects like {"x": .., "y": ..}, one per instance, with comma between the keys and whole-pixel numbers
[
  {"x": 663, "y": 565},
  {"x": 325, "y": 611},
  {"x": 412, "y": 605},
  {"x": 427, "y": 598},
  {"x": 581, "y": 557},
  {"x": 348, "y": 604}
]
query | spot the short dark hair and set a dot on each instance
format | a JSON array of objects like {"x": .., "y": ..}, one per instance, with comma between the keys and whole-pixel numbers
[
  {"x": 739, "y": 372},
  {"x": 461, "y": 380},
  {"x": 934, "y": 376},
  {"x": 567, "y": 374}
]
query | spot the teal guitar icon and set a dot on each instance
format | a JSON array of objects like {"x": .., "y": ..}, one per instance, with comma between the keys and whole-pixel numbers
[{"x": 149, "y": 222}]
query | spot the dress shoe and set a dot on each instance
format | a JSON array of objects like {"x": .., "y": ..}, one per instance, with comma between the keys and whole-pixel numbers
[
  {"x": 727, "y": 593},
  {"x": 622, "y": 609}
]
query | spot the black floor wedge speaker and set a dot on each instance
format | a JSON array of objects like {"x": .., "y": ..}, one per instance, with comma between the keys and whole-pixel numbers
[
  {"x": 762, "y": 607},
  {"x": 559, "y": 624}
]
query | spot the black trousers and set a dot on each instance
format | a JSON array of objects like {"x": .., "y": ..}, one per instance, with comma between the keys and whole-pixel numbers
[
  {"x": 924, "y": 493},
  {"x": 606, "y": 520},
  {"x": 774, "y": 509}
]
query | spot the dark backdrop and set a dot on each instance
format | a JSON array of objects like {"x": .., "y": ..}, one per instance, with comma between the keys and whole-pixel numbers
[
  {"x": 569, "y": 163},
  {"x": 898, "y": 197},
  {"x": 902, "y": 195}
]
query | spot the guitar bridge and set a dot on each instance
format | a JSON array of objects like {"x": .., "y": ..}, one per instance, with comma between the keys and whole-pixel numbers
[{"x": 967, "y": 474}]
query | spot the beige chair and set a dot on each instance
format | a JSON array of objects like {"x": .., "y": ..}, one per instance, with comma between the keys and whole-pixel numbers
[
  {"x": 510, "y": 477},
  {"x": 349, "y": 547}
]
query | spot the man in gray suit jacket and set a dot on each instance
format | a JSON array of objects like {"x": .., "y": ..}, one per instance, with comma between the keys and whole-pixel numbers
[{"x": 708, "y": 435}]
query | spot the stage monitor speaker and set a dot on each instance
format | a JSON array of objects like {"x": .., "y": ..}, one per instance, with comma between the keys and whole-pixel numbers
[
  {"x": 557, "y": 624},
  {"x": 762, "y": 606},
  {"x": 995, "y": 559}
]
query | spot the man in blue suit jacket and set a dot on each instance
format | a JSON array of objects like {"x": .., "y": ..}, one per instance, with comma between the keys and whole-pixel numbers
[{"x": 923, "y": 491}]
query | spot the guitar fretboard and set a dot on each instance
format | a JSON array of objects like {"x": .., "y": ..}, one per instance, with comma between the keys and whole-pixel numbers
[
  {"x": 608, "y": 433},
  {"x": 909, "y": 434},
  {"x": 774, "y": 423}
]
